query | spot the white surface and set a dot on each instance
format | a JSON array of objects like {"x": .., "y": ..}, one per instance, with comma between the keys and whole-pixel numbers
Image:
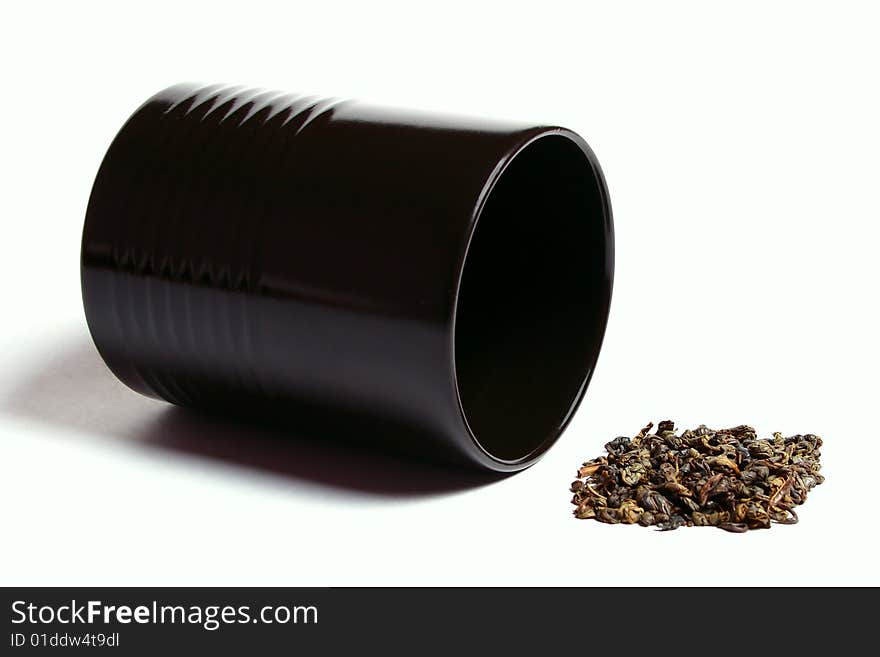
[{"x": 741, "y": 150}]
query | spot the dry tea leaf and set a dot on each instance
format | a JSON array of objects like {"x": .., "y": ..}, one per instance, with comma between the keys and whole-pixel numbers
[{"x": 727, "y": 479}]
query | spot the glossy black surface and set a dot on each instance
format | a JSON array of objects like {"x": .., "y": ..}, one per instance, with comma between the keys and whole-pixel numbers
[{"x": 305, "y": 260}]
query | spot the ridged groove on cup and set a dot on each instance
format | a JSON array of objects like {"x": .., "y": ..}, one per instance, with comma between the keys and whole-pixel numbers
[{"x": 162, "y": 210}]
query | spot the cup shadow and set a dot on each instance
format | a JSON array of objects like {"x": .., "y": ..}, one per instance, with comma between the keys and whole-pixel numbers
[{"x": 72, "y": 389}]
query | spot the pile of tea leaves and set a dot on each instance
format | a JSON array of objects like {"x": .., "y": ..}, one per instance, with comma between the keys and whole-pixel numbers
[{"x": 727, "y": 478}]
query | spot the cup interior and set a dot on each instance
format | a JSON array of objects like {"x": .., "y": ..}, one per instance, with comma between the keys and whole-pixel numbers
[{"x": 533, "y": 299}]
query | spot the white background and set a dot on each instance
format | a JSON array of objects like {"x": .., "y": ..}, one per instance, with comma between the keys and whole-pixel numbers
[{"x": 741, "y": 149}]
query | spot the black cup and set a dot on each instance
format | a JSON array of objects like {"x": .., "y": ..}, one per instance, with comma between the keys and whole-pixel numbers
[{"x": 437, "y": 283}]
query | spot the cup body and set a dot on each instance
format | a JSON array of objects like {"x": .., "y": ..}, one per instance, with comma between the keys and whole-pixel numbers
[{"x": 436, "y": 283}]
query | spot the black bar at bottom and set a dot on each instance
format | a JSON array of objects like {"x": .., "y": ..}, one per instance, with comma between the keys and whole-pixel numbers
[{"x": 414, "y": 621}]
